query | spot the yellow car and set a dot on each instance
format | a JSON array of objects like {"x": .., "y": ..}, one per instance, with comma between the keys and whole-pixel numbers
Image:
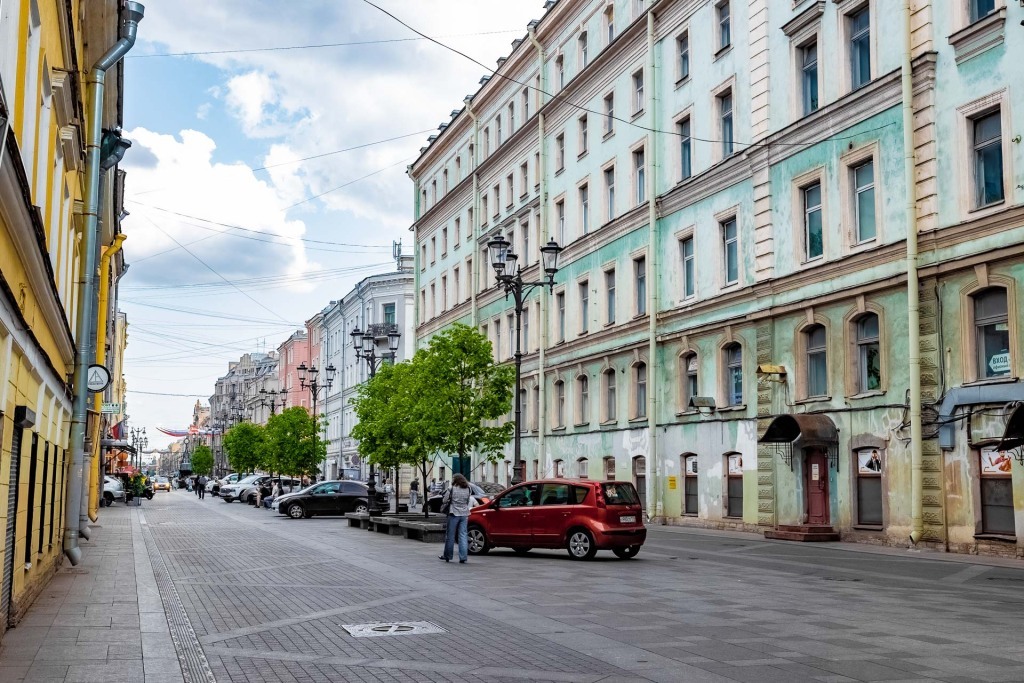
[{"x": 161, "y": 484}]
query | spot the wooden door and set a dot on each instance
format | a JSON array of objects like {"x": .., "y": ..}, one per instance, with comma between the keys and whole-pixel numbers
[{"x": 816, "y": 487}]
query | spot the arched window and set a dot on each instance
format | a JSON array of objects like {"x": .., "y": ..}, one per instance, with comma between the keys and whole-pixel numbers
[
  {"x": 688, "y": 377},
  {"x": 992, "y": 333},
  {"x": 559, "y": 404},
  {"x": 734, "y": 485},
  {"x": 559, "y": 469},
  {"x": 733, "y": 363},
  {"x": 690, "y": 491},
  {"x": 609, "y": 468},
  {"x": 640, "y": 390},
  {"x": 609, "y": 396},
  {"x": 815, "y": 348},
  {"x": 869, "y": 356},
  {"x": 583, "y": 468}
]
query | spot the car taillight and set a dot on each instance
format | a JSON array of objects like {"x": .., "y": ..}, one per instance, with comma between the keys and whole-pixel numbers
[{"x": 599, "y": 492}]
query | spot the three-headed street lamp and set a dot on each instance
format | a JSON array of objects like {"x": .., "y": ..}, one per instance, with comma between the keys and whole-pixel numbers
[
  {"x": 269, "y": 398},
  {"x": 510, "y": 278},
  {"x": 309, "y": 379},
  {"x": 365, "y": 344}
]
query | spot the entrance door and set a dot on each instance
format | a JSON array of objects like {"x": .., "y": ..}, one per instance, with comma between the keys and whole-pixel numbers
[{"x": 816, "y": 487}]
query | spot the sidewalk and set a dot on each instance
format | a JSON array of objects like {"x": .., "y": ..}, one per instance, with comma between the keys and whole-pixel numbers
[{"x": 100, "y": 621}]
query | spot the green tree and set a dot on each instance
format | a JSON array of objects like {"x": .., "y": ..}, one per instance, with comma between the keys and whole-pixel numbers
[
  {"x": 293, "y": 444},
  {"x": 202, "y": 460},
  {"x": 244, "y": 444}
]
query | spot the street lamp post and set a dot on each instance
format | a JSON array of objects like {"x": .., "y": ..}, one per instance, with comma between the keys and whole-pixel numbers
[
  {"x": 272, "y": 400},
  {"x": 365, "y": 344},
  {"x": 308, "y": 380},
  {"x": 137, "y": 434},
  {"x": 510, "y": 278}
]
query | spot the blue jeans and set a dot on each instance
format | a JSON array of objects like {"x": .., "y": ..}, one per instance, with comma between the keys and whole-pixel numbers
[{"x": 456, "y": 525}]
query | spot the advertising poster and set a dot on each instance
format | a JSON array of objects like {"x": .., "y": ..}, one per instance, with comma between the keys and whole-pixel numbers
[
  {"x": 869, "y": 461},
  {"x": 995, "y": 462},
  {"x": 735, "y": 465},
  {"x": 691, "y": 466}
]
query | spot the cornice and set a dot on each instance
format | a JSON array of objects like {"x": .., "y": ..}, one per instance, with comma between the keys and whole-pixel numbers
[{"x": 721, "y": 176}]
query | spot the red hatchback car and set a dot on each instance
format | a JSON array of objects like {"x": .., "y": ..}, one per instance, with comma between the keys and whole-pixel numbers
[{"x": 579, "y": 515}]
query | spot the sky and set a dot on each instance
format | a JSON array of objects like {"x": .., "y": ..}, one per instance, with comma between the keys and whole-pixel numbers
[{"x": 235, "y": 235}]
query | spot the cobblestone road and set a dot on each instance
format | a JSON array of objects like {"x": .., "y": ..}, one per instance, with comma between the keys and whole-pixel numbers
[{"x": 253, "y": 596}]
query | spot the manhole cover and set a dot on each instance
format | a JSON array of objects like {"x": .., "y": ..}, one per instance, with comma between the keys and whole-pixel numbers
[{"x": 392, "y": 628}]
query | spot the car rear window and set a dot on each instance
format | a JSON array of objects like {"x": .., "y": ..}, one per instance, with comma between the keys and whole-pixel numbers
[{"x": 620, "y": 493}]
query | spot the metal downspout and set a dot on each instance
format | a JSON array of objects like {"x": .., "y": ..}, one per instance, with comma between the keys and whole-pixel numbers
[
  {"x": 132, "y": 14},
  {"x": 913, "y": 293},
  {"x": 417, "y": 212},
  {"x": 654, "y": 489},
  {"x": 542, "y": 232},
  {"x": 474, "y": 277},
  {"x": 101, "y": 356}
]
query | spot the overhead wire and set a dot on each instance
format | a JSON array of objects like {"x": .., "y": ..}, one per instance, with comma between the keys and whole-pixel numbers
[{"x": 205, "y": 314}]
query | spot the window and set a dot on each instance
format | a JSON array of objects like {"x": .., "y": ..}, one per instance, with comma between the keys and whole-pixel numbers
[
  {"x": 433, "y": 249},
  {"x": 609, "y": 114},
  {"x": 988, "y": 159},
  {"x": 583, "y": 399},
  {"x": 526, "y": 103},
  {"x": 734, "y": 486},
  {"x": 683, "y": 56},
  {"x": 730, "y": 251},
  {"x": 809, "y": 77},
  {"x": 525, "y": 320},
  {"x": 685, "y": 149},
  {"x": 640, "y": 284},
  {"x": 860, "y": 47},
  {"x": 733, "y": 375},
  {"x": 389, "y": 314},
  {"x": 510, "y": 188},
  {"x": 497, "y": 339},
  {"x": 609, "y": 24},
  {"x": 608, "y": 463},
  {"x": 560, "y": 221},
  {"x": 444, "y": 241},
  {"x": 864, "y": 201},
  {"x": 688, "y": 374},
  {"x": 584, "y": 305},
  {"x": 979, "y": 9},
  {"x": 433, "y": 192},
  {"x": 640, "y": 173},
  {"x": 609, "y": 395},
  {"x": 560, "y": 312},
  {"x": 559, "y": 404},
  {"x": 469, "y": 223},
  {"x": 584, "y": 209},
  {"x": 483, "y": 207},
  {"x": 444, "y": 178},
  {"x": 511, "y": 327},
  {"x": 725, "y": 119},
  {"x": 497, "y": 201},
  {"x": 536, "y": 415},
  {"x": 640, "y": 386},
  {"x": 638, "y": 92},
  {"x": 423, "y": 256},
  {"x": 869, "y": 486},
  {"x": 444, "y": 293},
  {"x": 458, "y": 231},
  {"x": 526, "y": 242},
  {"x": 523, "y": 409},
  {"x": 582, "y": 470},
  {"x": 559, "y": 152},
  {"x": 511, "y": 117},
  {"x": 690, "y": 495},
  {"x": 609, "y": 189},
  {"x": 813, "y": 236},
  {"x": 582, "y": 43},
  {"x": 560, "y": 70},
  {"x": 456, "y": 285},
  {"x": 536, "y": 170},
  {"x": 487, "y": 142},
  {"x": 524, "y": 178},
  {"x": 724, "y": 25},
  {"x": 583, "y": 142},
  {"x": 497, "y": 130},
  {"x": 869, "y": 358},
  {"x": 609, "y": 285},
  {"x": 997, "y": 513},
  {"x": 992, "y": 333},
  {"x": 817, "y": 360},
  {"x": 686, "y": 251},
  {"x": 458, "y": 169},
  {"x": 433, "y": 299}
]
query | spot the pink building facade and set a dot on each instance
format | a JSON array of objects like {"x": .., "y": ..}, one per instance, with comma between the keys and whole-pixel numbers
[{"x": 292, "y": 353}]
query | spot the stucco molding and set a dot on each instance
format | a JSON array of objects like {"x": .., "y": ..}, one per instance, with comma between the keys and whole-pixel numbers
[
  {"x": 804, "y": 19},
  {"x": 969, "y": 343},
  {"x": 980, "y": 36}
]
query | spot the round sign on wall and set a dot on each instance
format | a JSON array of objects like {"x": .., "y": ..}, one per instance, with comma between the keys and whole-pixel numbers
[{"x": 97, "y": 378}]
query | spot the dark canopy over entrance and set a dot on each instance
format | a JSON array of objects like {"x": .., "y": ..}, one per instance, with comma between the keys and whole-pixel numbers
[
  {"x": 1013, "y": 435},
  {"x": 812, "y": 430}
]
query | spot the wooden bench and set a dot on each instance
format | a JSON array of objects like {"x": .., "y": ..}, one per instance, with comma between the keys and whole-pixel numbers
[{"x": 421, "y": 530}]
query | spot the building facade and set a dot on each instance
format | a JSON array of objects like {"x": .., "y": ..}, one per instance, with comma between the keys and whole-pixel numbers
[
  {"x": 237, "y": 398},
  {"x": 740, "y": 324}
]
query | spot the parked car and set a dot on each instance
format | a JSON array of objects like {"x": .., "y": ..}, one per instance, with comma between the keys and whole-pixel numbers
[
  {"x": 113, "y": 489},
  {"x": 161, "y": 484},
  {"x": 483, "y": 491},
  {"x": 327, "y": 498},
  {"x": 581, "y": 516},
  {"x": 246, "y": 489},
  {"x": 213, "y": 486}
]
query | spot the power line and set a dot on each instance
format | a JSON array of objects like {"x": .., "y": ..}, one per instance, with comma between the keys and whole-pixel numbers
[
  {"x": 335, "y": 189},
  {"x": 555, "y": 97},
  {"x": 164, "y": 393},
  {"x": 308, "y": 47},
  {"x": 347, "y": 149},
  {"x": 207, "y": 314}
]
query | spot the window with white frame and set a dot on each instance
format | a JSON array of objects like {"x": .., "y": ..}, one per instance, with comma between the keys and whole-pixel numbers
[
  {"x": 497, "y": 201},
  {"x": 487, "y": 142},
  {"x": 725, "y": 122},
  {"x": 610, "y": 400},
  {"x": 458, "y": 231},
  {"x": 583, "y": 48},
  {"x": 992, "y": 333},
  {"x": 689, "y": 266},
  {"x": 511, "y": 117},
  {"x": 685, "y": 149},
  {"x": 469, "y": 222},
  {"x": 560, "y": 71},
  {"x": 640, "y": 390},
  {"x": 525, "y": 321},
  {"x": 609, "y": 114},
  {"x": 584, "y": 289},
  {"x": 511, "y": 327},
  {"x": 559, "y": 152},
  {"x": 808, "y": 53},
  {"x": 609, "y": 289},
  {"x": 497, "y": 339},
  {"x": 584, "y": 192},
  {"x": 524, "y": 179},
  {"x": 582, "y": 468},
  {"x": 609, "y": 193},
  {"x": 683, "y": 56},
  {"x": 863, "y": 177},
  {"x": 688, "y": 376},
  {"x": 640, "y": 176},
  {"x": 814, "y": 240},
  {"x": 987, "y": 139},
  {"x": 510, "y": 189},
  {"x": 609, "y": 23},
  {"x": 560, "y": 313},
  {"x": 583, "y": 399},
  {"x": 444, "y": 181},
  {"x": 733, "y": 356},
  {"x": 979, "y": 9},
  {"x": 560, "y": 221},
  {"x": 559, "y": 404},
  {"x": 444, "y": 293},
  {"x": 638, "y": 91},
  {"x": 525, "y": 98},
  {"x": 433, "y": 248},
  {"x": 724, "y": 24},
  {"x": 444, "y": 241},
  {"x": 456, "y": 285},
  {"x": 869, "y": 353},
  {"x": 497, "y": 130},
  {"x": 584, "y": 143},
  {"x": 859, "y": 23},
  {"x": 527, "y": 256},
  {"x": 640, "y": 284},
  {"x": 483, "y": 208},
  {"x": 816, "y": 351},
  {"x": 730, "y": 251}
]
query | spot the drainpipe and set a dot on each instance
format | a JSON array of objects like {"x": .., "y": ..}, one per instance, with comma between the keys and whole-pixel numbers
[
  {"x": 133, "y": 12},
  {"x": 542, "y": 232},
  {"x": 654, "y": 489},
  {"x": 913, "y": 296},
  {"x": 101, "y": 345},
  {"x": 474, "y": 277},
  {"x": 417, "y": 209}
]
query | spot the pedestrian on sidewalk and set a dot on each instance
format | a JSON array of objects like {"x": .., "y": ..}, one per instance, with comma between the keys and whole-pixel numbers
[
  {"x": 388, "y": 490},
  {"x": 457, "y": 503},
  {"x": 202, "y": 486},
  {"x": 414, "y": 493},
  {"x": 433, "y": 488}
]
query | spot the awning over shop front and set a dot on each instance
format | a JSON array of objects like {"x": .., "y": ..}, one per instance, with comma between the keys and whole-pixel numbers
[
  {"x": 812, "y": 430},
  {"x": 1013, "y": 435},
  {"x": 118, "y": 443}
]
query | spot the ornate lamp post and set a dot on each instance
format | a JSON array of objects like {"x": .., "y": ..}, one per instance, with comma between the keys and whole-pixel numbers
[
  {"x": 365, "y": 344},
  {"x": 137, "y": 434},
  {"x": 270, "y": 398},
  {"x": 308, "y": 380},
  {"x": 510, "y": 278}
]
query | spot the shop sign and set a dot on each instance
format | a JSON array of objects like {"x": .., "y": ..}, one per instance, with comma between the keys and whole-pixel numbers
[
  {"x": 999, "y": 363},
  {"x": 672, "y": 483},
  {"x": 110, "y": 408}
]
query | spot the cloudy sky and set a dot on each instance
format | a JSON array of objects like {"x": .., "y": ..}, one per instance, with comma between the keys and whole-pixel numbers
[{"x": 235, "y": 235}]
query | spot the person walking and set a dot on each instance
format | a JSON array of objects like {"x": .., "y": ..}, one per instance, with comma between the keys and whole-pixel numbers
[
  {"x": 414, "y": 493},
  {"x": 388, "y": 490},
  {"x": 458, "y": 501},
  {"x": 202, "y": 486}
]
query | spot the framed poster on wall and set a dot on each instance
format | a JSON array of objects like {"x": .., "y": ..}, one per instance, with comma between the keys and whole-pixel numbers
[
  {"x": 995, "y": 462},
  {"x": 869, "y": 461},
  {"x": 736, "y": 465}
]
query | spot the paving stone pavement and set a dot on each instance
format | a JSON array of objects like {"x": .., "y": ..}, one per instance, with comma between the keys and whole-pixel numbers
[{"x": 188, "y": 590}]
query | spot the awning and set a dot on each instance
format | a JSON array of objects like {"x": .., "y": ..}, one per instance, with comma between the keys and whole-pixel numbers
[
  {"x": 117, "y": 443},
  {"x": 1013, "y": 435},
  {"x": 812, "y": 430}
]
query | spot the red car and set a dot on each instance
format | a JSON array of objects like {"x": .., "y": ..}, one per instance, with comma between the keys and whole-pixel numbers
[{"x": 579, "y": 515}]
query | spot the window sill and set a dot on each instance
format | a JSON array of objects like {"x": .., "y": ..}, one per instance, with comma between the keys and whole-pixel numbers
[
  {"x": 558, "y": 429},
  {"x": 638, "y": 420},
  {"x": 866, "y": 394},
  {"x": 582, "y": 154},
  {"x": 986, "y": 207},
  {"x": 683, "y": 81},
  {"x": 582, "y": 424},
  {"x": 610, "y": 323},
  {"x": 1005, "y": 538},
  {"x": 723, "y": 52},
  {"x": 509, "y": 206},
  {"x": 687, "y": 413},
  {"x": 730, "y": 286},
  {"x": 812, "y": 260},
  {"x": 731, "y": 517},
  {"x": 582, "y": 333},
  {"x": 637, "y": 316},
  {"x": 868, "y": 527},
  {"x": 982, "y": 35},
  {"x": 636, "y": 115},
  {"x": 731, "y": 409},
  {"x": 813, "y": 399},
  {"x": 523, "y": 196},
  {"x": 609, "y": 423},
  {"x": 608, "y": 135},
  {"x": 991, "y": 380}
]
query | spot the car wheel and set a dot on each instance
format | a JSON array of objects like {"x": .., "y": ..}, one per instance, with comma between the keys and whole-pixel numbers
[
  {"x": 477, "y": 541},
  {"x": 108, "y": 497},
  {"x": 227, "y": 499},
  {"x": 521, "y": 550},
  {"x": 626, "y": 553},
  {"x": 581, "y": 545},
  {"x": 361, "y": 508},
  {"x": 295, "y": 511}
]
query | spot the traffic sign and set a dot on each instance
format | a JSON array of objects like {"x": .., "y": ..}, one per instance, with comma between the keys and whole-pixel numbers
[{"x": 97, "y": 378}]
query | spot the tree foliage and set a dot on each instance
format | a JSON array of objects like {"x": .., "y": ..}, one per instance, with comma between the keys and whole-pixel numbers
[
  {"x": 244, "y": 444},
  {"x": 292, "y": 443},
  {"x": 202, "y": 460}
]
